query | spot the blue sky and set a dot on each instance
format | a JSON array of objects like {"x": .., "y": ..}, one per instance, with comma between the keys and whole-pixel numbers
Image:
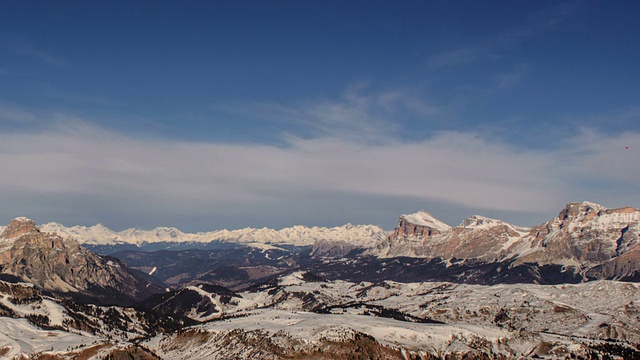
[{"x": 225, "y": 114}]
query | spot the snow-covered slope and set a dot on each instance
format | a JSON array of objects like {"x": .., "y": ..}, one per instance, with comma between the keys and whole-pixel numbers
[
  {"x": 302, "y": 315},
  {"x": 38, "y": 326},
  {"x": 359, "y": 235},
  {"x": 19, "y": 337}
]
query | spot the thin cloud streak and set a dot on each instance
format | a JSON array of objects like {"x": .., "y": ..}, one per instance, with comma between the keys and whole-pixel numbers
[
  {"x": 358, "y": 115},
  {"x": 14, "y": 114},
  {"x": 491, "y": 48},
  {"x": 25, "y": 48}
]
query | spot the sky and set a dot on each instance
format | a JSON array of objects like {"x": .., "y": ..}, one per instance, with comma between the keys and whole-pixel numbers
[{"x": 207, "y": 115}]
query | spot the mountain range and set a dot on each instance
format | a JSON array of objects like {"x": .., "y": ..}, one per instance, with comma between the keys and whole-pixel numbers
[
  {"x": 296, "y": 235},
  {"x": 424, "y": 290},
  {"x": 585, "y": 239}
]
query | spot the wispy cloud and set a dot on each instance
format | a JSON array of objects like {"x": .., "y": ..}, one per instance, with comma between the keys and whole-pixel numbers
[
  {"x": 27, "y": 49},
  {"x": 14, "y": 114},
  {"x": 491, "y": 48},
  {"x": 359, "y": 114}
]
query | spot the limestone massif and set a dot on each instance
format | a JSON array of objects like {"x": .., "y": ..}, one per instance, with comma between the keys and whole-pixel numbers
[
  {"x": 586, "y": 237},
  {"x": 63, "y": 266},
  {"x": 421, "y": 235}
]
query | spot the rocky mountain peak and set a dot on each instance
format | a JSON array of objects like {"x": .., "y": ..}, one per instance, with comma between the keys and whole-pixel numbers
[
  {"x": 479, "y": 221},
  {"x": 599, "y": 242},
  {"x": 18, "y": 227},
  {"x": 580, "y": 211},
  {"x": 53, "y": 263},
  {"x": 420, "y": 224}
]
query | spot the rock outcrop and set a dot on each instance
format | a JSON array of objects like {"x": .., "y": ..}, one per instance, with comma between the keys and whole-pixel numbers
[
  {"x": 420, "y": 224},
  {"x": 588, "y": 237},
  {"x": 63, "y": 266},
  {"x": 478, "y": 238},
  {"x": 597, "y": 242}
]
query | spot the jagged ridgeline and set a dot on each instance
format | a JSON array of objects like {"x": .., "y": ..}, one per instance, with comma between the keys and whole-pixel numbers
[
  {"x": 424, "y": 290},
  {"x": 585, "y": 241}
]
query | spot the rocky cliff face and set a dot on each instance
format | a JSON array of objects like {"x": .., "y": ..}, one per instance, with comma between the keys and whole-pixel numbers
[
  {"x": 477, "y": 237},
  {"x": 589, "y": 238},
  {"x": 420, "y": 224},
  {"x": 585, "y": 235},
  {"x": 62, "y": 265}
]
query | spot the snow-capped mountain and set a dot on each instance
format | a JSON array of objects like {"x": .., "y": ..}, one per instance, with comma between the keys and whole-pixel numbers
[
  {"x": 421, "y": 223},
  {"x": 583, "y": 235},
  {"x": 422, "y": 235},
  {"x": 597, "y": 241},
  {"x": 585, "y": 241},
  {"x": 589, "y": 238},
  {"x": 357, "y": 235}
]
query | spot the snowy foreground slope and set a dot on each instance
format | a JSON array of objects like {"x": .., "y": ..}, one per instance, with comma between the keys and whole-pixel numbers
[
  {"x": 293, "y": 316},
  {"x": 38, "y": 326},
  {"x": 300, "y": 315}
]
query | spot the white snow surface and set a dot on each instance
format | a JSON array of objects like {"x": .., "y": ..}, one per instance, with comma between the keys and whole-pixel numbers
[
  {"x": 553, "y": 313},
  {"x": 24, "y": 338},
  {"x": 423, "y": 218},
  {"x": 565, "y": 316},
  {"x": 312, "y": 328},
  {"x": 47, "y": 307},
  {"x": 483, "y": 222},
  {"x": 360, "y": 235}
]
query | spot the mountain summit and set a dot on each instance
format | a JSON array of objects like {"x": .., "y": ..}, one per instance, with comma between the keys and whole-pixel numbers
[
  {"x": 598, "y": 241},
  {"x": 63, "y": 266},
  {"x": 18, "y": 226},
  {"x": 422, "y": 235},
  {"x": 591, "y": 239}
]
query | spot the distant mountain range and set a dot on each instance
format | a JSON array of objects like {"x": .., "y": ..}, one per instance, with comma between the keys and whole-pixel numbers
[
  {"x": 361, "y": 235},
  {"x": 425, "y": 290},
  {"x": 586, "y": 239}
]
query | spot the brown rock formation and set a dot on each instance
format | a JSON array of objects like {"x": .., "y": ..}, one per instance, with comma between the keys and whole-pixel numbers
[
  {"x": 62, "y": 265},
  {"x": 589, "y": 238},
  {"x": 583, "y": 235},
  {"x": 477, "y": 238}
]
